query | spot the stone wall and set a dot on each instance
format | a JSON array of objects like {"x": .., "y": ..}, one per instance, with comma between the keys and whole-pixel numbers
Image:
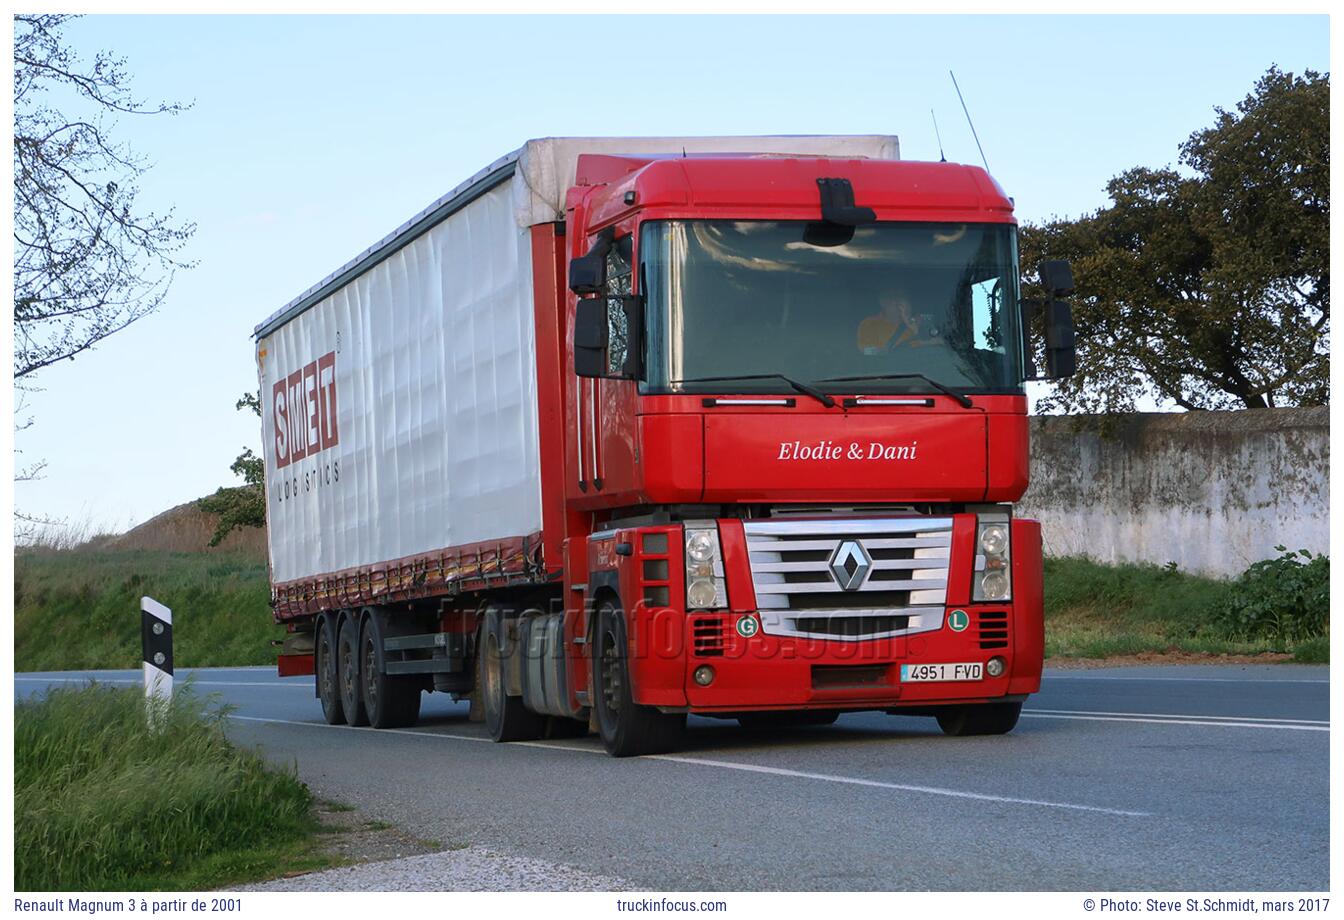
[{"x": 1210, "y": 491}]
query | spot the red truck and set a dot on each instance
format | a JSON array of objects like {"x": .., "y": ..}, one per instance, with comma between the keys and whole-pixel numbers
[{"x": 623, "y": 429}]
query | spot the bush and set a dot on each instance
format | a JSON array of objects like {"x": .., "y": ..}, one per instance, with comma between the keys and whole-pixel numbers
[
  {"x": 101, "y": 802},
  {"x": 1286, "y": 599}
]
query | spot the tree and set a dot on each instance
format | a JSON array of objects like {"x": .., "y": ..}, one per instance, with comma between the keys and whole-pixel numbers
[
  {"x": 245, "y": 505},
  {"x": 1208, "y": 287},
  {"x": 87, "y": 263}
]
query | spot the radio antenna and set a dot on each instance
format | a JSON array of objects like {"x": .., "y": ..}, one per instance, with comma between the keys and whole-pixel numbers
[
  {"x": 941, "y": 157},
  {"x": 968, "y": 120}
]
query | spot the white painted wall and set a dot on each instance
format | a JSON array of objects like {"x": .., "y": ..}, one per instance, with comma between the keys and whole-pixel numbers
[{"x": 1211, "y": 491}]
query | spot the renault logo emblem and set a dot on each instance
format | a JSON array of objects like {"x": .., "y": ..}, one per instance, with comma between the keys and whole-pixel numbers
[{"x": 850, "y": 565}]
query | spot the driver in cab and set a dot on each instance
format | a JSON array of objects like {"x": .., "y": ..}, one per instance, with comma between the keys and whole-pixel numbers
[{"x": 895, "y": 326}]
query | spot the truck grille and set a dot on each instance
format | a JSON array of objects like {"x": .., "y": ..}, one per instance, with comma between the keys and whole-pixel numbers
[{"x": 852, "y": 578}]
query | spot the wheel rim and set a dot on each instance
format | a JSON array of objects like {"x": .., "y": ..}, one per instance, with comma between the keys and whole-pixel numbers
[
  {"x": 492, "y": 678},
  {"x": 347, "y": 672},
  {"x": 611, "y": 674},
  {"x": 328, "y": 669},
  {"x": 370, "y": 665}
]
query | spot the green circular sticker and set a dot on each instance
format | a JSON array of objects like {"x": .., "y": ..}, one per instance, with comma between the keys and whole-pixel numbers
[
  {"x": 748, "y": 627},
  {"x": 958, "y": 620}
]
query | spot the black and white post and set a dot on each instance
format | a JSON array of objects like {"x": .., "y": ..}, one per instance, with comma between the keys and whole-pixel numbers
[{"x": 156, "y": 639}]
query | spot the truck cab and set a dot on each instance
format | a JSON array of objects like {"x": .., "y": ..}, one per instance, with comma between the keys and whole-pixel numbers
[{"x": 795, "y": 425}]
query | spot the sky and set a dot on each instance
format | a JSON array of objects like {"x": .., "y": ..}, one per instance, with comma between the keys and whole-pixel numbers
[{"x": 311, "y": 137}]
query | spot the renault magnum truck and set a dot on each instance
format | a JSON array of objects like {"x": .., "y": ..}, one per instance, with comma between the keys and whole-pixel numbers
[{"x": 624, "y": 429}]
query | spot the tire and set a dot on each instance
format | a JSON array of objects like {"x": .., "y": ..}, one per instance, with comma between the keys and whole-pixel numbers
[
  {"x": 390, "y": 701},
  {"x": 347, "y": 669},
  {"x": 983, "y": 719},
  {"x": 769, "y": 721},
  {"x": 506, "y": 718},
  {"x": 325, "y": 672},
  {"x": 627, "y": 730}
]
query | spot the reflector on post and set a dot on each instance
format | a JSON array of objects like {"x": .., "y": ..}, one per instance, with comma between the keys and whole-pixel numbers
[{"x": 156, "y": 641}]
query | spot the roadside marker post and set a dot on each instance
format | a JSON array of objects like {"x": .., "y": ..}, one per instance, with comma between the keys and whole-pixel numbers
[{"x": 156, "y": 642}]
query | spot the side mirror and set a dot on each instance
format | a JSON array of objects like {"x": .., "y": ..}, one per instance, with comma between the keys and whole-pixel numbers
[
  {"x": 1056, "y": 277},
  {"x": 597, "y": 343},
  {"x": 588, "y": 272},
  {"x": 590, "y": 336},
  {"x": 1061, "y": 359}
]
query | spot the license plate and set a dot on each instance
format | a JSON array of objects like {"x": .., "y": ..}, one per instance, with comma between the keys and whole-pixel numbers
[{"x": 914, "y": 673}]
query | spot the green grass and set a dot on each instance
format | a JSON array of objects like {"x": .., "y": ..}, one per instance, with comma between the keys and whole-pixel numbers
[
  {"x": 1102, "y": 611},
  {"x": 80, "y": 609},
  {"x": 1313, "y": 651},
  {"x": 102, "y": 802}
]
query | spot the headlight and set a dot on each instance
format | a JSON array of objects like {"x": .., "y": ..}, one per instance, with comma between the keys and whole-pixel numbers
[
  {"x": 700, "y": 593},
  {"x": 993, "y": 539},
  {"x": 992, "y": 580},
  {"x": 705, "y": 587},
  {"x": 701, "y": 545},
  {"x": 995, "y": 586}
]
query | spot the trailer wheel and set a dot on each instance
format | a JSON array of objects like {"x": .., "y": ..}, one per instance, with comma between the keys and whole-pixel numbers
[
  {"x": 325, "y": 672},
  {"x": 770, "y": 721},
  {"x": 982, "y": 719},
  {"x": 347, "y": 667},
  {"x": 506, "y": 717},
  {"x": 391, "y": 701},
  {"x": 627, "y": 729}
]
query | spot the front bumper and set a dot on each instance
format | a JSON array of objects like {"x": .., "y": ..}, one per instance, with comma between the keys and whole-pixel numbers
[
  {"x": 763, "y": 670},
  {"x": 776, "y": 672}
]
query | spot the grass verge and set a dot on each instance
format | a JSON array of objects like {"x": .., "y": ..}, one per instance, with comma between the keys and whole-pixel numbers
[
  {"x": 1104, "y": 611},
  {"x": 79, "y": 609},
  {"x": 101, "y": 802}
]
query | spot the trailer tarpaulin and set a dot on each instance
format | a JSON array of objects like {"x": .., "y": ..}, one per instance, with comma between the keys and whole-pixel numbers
[{"x": 400, "y": 413}]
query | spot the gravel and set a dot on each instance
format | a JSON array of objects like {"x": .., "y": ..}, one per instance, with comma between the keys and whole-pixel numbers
[{"x": 466, "y": 869}]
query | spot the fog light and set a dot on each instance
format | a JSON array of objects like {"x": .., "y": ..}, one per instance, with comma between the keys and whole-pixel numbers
[
  {"x": 704, "y": 675},
  {"x": 701, "y": 593},
  {"x": 994, "y": 585},
  {"x": 995, "y": 667}
]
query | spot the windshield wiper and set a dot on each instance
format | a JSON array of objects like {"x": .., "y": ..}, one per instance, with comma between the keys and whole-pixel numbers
[
  {"x": 961, "y": 398},
  {"x": 794, "y": 384}
]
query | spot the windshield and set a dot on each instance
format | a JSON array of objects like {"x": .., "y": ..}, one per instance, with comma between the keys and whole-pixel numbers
[{"x": 739, "y": 298}]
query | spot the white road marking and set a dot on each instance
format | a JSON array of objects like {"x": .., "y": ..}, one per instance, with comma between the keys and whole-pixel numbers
[
  {"x": 745, "y": 767},
  {"x": 189, "y": 679},
  {"x": 1183, "y": 715},
  {"x": 1280, "y": 725},
  {"x": 904, "y": 787}
]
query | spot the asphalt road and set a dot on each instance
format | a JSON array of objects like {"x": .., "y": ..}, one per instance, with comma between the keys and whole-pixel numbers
[{"x": 1156, "y": 778}]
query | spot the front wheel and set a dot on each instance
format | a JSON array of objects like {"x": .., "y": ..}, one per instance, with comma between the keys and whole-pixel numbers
[
  {"x": 627, "y": 729},
  {"x": 984, "y": 719}
]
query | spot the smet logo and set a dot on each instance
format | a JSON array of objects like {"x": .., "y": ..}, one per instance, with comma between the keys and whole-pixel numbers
[{"x": 303, "y": 411}]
